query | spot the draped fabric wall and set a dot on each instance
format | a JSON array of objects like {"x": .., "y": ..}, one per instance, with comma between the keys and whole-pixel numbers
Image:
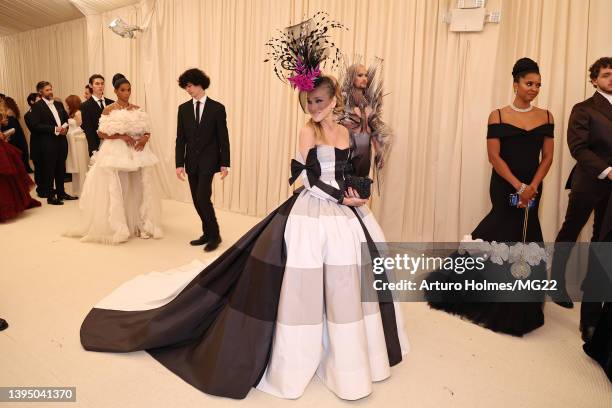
[
  {"x": 54, "y": 53},
  {"x": 441, "y": 87}
]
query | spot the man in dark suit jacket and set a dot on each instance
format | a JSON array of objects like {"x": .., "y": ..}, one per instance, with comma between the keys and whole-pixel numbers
[
  {"x": 91, "y": 110},
  {"x": 34, "y": 143},
  {"x": 589, "y": 136},
  {"x": 49, "y": 120},
  {"x": 202, "y": 149}
]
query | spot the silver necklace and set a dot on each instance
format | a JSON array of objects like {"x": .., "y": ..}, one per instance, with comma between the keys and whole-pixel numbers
[{"x": 514, "y": 108}]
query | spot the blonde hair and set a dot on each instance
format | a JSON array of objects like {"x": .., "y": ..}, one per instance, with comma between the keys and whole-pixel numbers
[{"x": 333, "y": 89}]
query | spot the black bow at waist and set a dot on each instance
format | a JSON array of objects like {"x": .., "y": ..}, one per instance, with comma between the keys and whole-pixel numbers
[{"x": 312, "y": 167}]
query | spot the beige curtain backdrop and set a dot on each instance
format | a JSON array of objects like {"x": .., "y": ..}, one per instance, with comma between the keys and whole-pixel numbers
[
  {"x": 55, "y": 53},
  {"x": 441, "y": 87}
]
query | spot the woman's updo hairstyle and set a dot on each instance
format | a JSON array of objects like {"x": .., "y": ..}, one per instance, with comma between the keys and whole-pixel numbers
[
  {"x": 118, "y": 80},
  {"x": 523, "y": 67}
]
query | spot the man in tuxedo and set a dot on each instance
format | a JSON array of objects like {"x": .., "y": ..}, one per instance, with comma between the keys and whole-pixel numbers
[
  {"x": 91, "y": 110},
  {"x": 589, "y": 136},
  {"x": 202, "y": 149},
  {"x": 34, "y": 143},
  {"x": 49, "y": 121}
]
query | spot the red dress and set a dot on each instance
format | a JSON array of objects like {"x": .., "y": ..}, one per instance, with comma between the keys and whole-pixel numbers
[{"x": 15, "y": 183}]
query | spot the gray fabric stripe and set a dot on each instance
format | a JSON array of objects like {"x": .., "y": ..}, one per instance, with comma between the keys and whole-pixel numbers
[{"x": 337, "y": 288}]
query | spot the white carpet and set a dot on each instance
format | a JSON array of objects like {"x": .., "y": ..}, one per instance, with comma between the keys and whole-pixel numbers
[{"x": 48, "y": 283}]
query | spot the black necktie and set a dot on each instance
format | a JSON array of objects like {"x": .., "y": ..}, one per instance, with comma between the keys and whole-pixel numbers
[
  {"x": 101, "y": 105},
  {"x": 197, "y": 118}
]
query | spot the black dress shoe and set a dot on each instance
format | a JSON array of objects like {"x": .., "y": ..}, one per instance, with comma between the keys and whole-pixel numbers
[
  {"x": 54, "y": 201},
  {"x": 587, "y": 333},
  {"x": 43, "y": 195},
  {"x": 67, "y": 197},
  {"x": 3, "y": 324},
  {"x": 212, "y": 245},
  {"x": 200, "y": 241},
  {"x": 562, "y": 298}
]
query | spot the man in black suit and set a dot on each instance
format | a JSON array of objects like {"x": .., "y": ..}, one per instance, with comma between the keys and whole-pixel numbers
[
  {"x": 34, "y": 143},
  {"x": 589, "y": 136},
  {"x": 91, "y": 110},
  {"x": 202, "y": 149},
  {"x": 50, "y": 123}
]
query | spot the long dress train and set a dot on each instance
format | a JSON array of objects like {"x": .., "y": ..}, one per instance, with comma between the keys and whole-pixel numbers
[
  {"x": 281, "y": 305},
  {"x": 15, "y": 183}
]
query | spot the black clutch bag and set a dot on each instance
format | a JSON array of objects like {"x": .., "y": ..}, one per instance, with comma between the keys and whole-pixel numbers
[{"x": 363, "y": 185}]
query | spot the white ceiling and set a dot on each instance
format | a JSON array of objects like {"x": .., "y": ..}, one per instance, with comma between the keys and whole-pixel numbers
[{"x": 23, "y": 15}]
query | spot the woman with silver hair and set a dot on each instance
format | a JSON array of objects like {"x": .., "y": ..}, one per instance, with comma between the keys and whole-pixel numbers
[{"x": 362, "y": 91}]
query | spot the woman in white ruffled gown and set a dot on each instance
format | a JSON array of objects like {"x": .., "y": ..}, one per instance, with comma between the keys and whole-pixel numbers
[{"x": 119, "y": 198}]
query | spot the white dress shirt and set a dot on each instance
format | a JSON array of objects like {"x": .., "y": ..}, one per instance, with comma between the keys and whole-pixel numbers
[
  {"x": 202, "y": 103},
  {"x": 51, "y": 106},
  {"x": 608, "y": 96},
  {"x": 98, "y": 100}
]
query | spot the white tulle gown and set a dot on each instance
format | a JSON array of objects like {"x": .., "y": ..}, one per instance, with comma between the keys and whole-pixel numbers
[{"x": 119, "y": 198}]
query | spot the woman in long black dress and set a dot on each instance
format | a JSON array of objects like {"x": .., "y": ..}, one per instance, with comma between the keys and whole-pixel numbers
[{"x": 520, "y": 148}]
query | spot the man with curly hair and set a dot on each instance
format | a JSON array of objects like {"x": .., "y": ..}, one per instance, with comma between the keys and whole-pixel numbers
[{"x": 202, "y": 149}]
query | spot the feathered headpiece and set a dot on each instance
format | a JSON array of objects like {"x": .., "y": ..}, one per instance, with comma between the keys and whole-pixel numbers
[{"x": 300, "y": 51}]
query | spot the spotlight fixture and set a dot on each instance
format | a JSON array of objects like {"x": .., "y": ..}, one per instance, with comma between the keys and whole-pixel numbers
[{"x": 122, "y": 28}]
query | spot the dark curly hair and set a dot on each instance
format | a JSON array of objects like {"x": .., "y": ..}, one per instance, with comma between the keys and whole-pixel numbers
[
  {"x": 12, "y": 105},
  {"x": 523, "y": 67},
  {"x": 194, "y": 76},
  {"x": 604, "y": 62},
  {"x": 31, "y": 99}
]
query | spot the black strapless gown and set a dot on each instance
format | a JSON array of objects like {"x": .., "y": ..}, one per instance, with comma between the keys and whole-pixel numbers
[{"x": 521, "y": 150}]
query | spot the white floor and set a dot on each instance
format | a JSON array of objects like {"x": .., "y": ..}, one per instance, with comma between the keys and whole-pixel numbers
[{"x": 48, "y": 283}]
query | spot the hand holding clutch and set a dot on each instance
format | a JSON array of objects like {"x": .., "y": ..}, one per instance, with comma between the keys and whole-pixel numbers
[{"x": 362, "y": 185}]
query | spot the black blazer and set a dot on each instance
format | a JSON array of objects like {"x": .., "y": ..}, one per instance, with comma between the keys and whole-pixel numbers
[
  {"x": 43, "y": 123},
  {"x": 91, "y": 111},
  {"x": 589, "y": 136},
  {"x": 204, "y": 148}
]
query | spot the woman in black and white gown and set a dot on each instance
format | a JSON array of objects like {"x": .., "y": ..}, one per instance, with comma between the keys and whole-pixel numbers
[{"x": 283, "y": 303}]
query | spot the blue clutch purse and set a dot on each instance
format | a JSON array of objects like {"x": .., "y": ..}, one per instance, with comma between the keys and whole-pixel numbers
[{"x": 514, "y": 200}]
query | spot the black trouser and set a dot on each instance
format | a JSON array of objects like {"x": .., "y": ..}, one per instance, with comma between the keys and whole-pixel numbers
[
  {"x": 54, "y": 153},
  {"x": 201, "y": 191},
  {"x": 579, "y": 209},
  {"x": 38, "y": 174}
]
